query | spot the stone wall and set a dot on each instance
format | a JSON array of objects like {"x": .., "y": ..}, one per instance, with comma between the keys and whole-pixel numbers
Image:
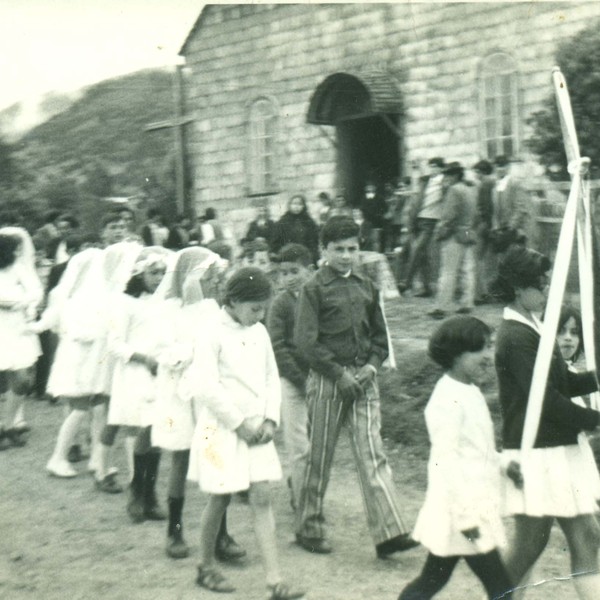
[{"x": 238, "y": 53}]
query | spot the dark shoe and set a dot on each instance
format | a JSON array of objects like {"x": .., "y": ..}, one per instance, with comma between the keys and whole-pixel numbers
[
  {"x": 437, "y": 314},
  {"x": 244, "y": 497},
  {"x": 464, "y": 310},
  {"x": 176, "y": 546},
  {"x": 210, "y": 579},
  {"x": 135, "y": 505},
  {"x": 400, "y": 543},
  {"x": 228, "y": 549},
  {"x": 316, "y": 545},
  {"x": 424, "y": 294},
  {"x": 153, "y": 512},
  {"x": 15, "y": 437},
  {"x": 282, "y": 591},
  {"x": 108, "y": 485},
  {"x": 75, "y": 454}
]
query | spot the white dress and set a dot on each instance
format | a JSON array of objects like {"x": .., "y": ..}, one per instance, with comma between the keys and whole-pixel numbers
[
  {"x": 135, "y": 327},
  {"x": 234, "y": 377},
  {"x": 463, "y": 486},
  {"x": 19, "y": 348},
  {"x": 173, "y": 419},
  {"x": 82, "y": 365}
]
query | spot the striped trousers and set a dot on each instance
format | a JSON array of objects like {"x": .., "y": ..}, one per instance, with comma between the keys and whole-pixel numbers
[{"x": 327, "y": 413}]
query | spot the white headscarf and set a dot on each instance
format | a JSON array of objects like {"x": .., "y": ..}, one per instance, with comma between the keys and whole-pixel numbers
[
  {"x": 24, "y": 265},
  {"x": 183, "y": 276}
]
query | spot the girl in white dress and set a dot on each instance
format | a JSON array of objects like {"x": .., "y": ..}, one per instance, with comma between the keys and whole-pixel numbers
[
  {"x": 189, "y": 291},
  {"x": 461, "y": 516},
  {"x": 237, "y": 396},
  {"x": 82, "y": 368},
  {"x": 133, "y": 340},
  {"x": 20, "y": 295}
]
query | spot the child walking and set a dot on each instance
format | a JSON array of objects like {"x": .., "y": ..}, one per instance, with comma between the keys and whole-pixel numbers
[
  {"x": 188, "y": 290},
  {"x": 461, "y": 516},
  {"x": 294, "y": 268},
  {"x": 237, "y": 399},
  {"x": 81, "y": 372},
  {"x": 134, "y": 340},
  {"x": 340, "y": 331},
  {"x": 20, "y": 295}
]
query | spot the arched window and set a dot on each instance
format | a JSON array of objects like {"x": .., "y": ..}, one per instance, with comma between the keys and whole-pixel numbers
[
  {"x": 498, "y": 105},
  {"x": 262, "y": 132}
]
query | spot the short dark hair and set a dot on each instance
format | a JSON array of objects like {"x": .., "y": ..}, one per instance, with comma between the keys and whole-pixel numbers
[
  {"x": 455, "y": 336},
  {"x": 251, "y": 248},
  {"x": 210, "y": 213},
  {"x": 338, "y": 228},
  {"x": 8, "y": 249},
  {"x": 247, "y": 284},
  {"x": 295, "y": 253},
  {"x": 455, "y": 169},
  {"x": 570, "y": 312},
  {"x": 111, "y": 217},
  {"x": 521, "y": 268},
  {"x": 484, "y": 167}
]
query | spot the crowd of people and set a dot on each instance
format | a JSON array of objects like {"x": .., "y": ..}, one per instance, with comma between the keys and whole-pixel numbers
[{"x": 184, "y": 348}]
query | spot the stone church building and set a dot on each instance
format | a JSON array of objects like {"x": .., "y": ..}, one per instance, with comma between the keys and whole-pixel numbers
[{"x": 289, "y": 98}]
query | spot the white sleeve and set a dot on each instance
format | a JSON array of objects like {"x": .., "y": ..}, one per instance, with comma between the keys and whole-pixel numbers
[
  {"x": 118, "y": 329},
  {"x": 204, "y": 377}
]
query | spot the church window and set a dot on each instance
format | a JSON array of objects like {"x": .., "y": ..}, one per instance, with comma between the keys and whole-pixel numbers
[
  {"x": 498, "y": 102},
  {"x": 262, "y": 131}
]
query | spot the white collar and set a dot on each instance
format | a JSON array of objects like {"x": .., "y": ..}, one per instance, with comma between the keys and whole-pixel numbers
[{"x": 512, "y": 315}]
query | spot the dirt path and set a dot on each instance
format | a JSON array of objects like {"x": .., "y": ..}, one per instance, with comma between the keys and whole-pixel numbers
[{"x": 63, "y": 540}]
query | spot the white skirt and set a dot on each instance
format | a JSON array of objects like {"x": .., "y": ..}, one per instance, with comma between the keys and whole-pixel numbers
[
  {"x": 558, "y": 482},
  {"x": 132, "y": 396},
  {"x": 18, "y": 348},
  {"x": 172, "y": 419},
  {"x": 222, "y": 463}
]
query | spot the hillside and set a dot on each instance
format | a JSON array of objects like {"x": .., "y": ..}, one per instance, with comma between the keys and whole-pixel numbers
[{"x": 106, "y": 126}]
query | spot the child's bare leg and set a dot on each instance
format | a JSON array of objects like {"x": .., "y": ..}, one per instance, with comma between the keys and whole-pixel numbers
[
  {"x": 66, "y": 434},
  {"x": 264, "y": 526},
  {"x": 98, "y": 423},
  {"x": 530, "y": 539},
  {"x": 209, "y": 526},
  {"x": 583, "y": 536}
]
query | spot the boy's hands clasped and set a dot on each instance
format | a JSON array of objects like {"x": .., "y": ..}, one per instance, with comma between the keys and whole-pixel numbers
[{"x": 351, "y": 386}]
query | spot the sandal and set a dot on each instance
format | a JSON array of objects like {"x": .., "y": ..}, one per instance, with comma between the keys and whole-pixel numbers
[
  {"x": 210, "y": 579},
  {"x": 282, "y": 591}
]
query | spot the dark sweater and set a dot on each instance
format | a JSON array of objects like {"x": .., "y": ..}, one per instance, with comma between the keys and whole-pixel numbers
[
  {"x": 280, "y": 323},
  {"x": 561, "y": 420}
]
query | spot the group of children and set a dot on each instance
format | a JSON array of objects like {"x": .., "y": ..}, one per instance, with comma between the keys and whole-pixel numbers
[{"x": 174, "y": 344}]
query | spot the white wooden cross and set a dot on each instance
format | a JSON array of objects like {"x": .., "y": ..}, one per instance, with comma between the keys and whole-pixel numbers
[{"x": 577, "y": 218}]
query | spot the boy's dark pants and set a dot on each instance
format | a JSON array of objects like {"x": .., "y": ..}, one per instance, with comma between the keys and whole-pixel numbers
[{"x": 327, "y": 412}]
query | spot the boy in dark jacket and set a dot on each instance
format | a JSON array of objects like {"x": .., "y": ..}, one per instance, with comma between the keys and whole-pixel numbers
[
  {"x": 340, "y": 331},
  {"x": 294, "y": 269}
]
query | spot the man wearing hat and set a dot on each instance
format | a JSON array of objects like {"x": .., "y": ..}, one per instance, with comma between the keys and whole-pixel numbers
[
  {"x": 424, "y": 216},
  {"x": 456, "y": 233}
]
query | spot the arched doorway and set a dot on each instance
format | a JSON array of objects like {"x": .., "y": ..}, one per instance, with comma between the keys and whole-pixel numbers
[{"x": 366, "y": 112}]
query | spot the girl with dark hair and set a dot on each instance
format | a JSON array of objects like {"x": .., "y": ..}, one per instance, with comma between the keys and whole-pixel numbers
[
  {"x": 461, "y": 516},
  {"x": 237, "y": 394},
  {"x": 297, "y": 226},
  {"x": 20, "y": 295},
  {"x": 570, "y": 342},
  {"x": 555, "y": 482}
]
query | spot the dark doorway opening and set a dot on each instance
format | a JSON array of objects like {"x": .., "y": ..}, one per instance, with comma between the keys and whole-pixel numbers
[{"x": 368, "y": 152}]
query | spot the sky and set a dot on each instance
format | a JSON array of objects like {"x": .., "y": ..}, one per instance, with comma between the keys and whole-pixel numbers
[{"x": 62, "y": 45}]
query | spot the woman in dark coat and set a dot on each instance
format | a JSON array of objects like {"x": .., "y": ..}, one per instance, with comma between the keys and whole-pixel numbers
[{"x": 296, "y": 226}]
